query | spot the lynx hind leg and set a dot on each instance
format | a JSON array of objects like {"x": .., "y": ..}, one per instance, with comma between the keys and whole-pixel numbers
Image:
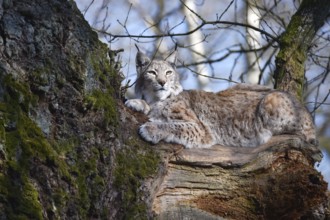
[
  {"x": 277, "y": 113},
  {"x": 283, "y": 114},
  {"x": 138, "y": 105},
  {"x": 189, "y": 134},
  {"x": 307, "y": 126},
  {"x": 151, "y": 132}
]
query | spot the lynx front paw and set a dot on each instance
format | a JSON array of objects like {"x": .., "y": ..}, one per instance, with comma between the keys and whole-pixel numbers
[
  {"x": 150, "y": 133},
  {"x": 138, "y": 105}
]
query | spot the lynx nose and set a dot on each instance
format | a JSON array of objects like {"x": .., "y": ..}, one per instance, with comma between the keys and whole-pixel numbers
[{"x": 161, "y": 82}]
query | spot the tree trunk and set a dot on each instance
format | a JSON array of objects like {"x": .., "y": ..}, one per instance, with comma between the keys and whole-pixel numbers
[
  {"x": 295, "y": 43},
  {"x": 58, "y": 115}
]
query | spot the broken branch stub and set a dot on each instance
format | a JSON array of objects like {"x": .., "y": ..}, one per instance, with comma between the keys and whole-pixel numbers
[{"x": 275, "y": 180}]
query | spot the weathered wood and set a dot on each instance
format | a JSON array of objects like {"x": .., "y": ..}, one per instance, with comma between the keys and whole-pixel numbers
[{"x": 274, "y": 181}]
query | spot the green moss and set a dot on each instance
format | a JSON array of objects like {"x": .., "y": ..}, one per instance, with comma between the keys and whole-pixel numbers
[
  {"x": 103, "y": 97},
  {"x": 40, "y": 76},
  {"x": 291, "y": 58},
  {"x": 23, "y": 142},
  {"x": 133, "y": 165},
  {"x": 84, "y": 170},
  {"x": 18, "y": 95},
  {"x": 104, "y": 71},
  {"x": 105, "y": 102},
  {"x": 85, "y": 177},
  {"x": 295, "y": 42},
  {"x": 60, "y": 197},
  {"x": 25, "y": 146},
  {"x": 21, "y": 195},
  {"x": 83, "y": 198}
]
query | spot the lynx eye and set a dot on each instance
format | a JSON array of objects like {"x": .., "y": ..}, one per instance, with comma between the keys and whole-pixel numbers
[
  {"x": 151, "y": 72},
  {"x": 169, "y": 72}
]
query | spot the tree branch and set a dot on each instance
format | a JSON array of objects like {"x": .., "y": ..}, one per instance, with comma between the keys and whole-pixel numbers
[{"x": 128, "y": 35}]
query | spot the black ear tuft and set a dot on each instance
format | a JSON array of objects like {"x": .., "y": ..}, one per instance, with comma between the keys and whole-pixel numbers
[
  {"x": 172, "y": 59},
  {"x": 141, "y": 61}
]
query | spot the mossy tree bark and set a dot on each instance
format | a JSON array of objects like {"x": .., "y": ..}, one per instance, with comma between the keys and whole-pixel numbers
[
  {"x": 295, "y": 43},
  {"x": 58, "y": 114}
]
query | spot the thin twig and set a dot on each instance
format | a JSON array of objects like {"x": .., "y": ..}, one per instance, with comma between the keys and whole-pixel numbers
[
  {"x": 320, "y": 103},
  {"x": 219, "y": 18},
  {"x": 90, "y": 4},
  {"x": 211, "y": 77},
  {"x": 275, "y": 39}
]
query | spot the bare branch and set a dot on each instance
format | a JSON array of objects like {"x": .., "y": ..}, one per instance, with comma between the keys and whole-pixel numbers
[
  {"x": 211, "y": 77},
  {"x": 89, "y": 5},
  {"x": 318, "y": 104},
  {"x": 229, "y": 5},
  {"x": 192, "y": 11},
  {"x": 274, "y": 38}
]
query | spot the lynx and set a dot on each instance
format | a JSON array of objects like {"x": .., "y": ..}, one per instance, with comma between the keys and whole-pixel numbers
[
  {"x": 156, "y": 81},
  {"x": 242, "y": 116}
]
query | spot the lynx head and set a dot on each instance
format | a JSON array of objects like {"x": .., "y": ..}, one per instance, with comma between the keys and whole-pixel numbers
[{"x": 157, "y": 79}]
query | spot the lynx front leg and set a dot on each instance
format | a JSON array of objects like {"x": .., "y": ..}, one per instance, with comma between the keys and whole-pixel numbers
[
  {"x": 189, "y": 134},
  {"x": 138, "y": 105}
]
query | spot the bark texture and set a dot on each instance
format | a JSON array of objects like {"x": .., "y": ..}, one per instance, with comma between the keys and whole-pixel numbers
[
  {"x": 274, "y": 181},
  {"x": 58, "y": 114},
  {"x": 295, "y": 43}
]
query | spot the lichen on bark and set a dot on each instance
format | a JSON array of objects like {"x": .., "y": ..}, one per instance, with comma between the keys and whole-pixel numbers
[
  {"x": 134, "y": 163},
  {"x": 295, "y": 43}
]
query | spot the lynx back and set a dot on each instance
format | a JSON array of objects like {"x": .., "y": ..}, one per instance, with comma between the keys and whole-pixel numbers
[{"x": 242, "y": 116}]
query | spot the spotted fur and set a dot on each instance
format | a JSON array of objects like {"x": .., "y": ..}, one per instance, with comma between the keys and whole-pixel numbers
[{"x": 242, "y": 116}]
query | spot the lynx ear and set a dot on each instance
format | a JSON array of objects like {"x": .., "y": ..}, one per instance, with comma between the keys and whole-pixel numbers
[
  {"x": 141, "y": 62},
  {"x": 172, "y": 59}
]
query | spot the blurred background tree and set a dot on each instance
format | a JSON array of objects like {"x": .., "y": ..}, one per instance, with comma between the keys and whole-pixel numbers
[{"x": 221, "y": 43}]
